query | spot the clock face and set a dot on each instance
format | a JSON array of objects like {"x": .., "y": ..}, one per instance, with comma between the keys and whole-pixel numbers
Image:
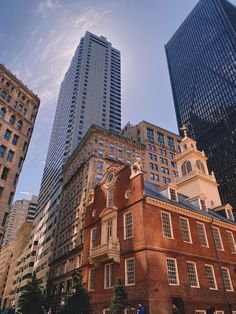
[{"x": 110, "y": 177}]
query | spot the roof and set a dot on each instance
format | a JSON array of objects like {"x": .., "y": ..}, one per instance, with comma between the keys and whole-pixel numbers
[{"x": 150, "y": 189}]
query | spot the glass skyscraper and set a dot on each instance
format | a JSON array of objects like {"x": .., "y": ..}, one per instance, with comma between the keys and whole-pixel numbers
[{"x": 201, "y": 58}]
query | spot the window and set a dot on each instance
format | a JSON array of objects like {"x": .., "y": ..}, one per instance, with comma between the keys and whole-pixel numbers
[
  {"x": 2, "y": 112},
  {"x": 200, "y": 312},
  {"x": 172, "y": 271},
  {"x": 109, "y": 230},
  {"x": 100, "y": 154},
  {"x": 160, "y": 139},
  {"x": 173, "y": 195},
  {"x": 202, "y": 234},
  {"x": 129, "y": 271},
  {"x": 2, "y": 150},
  {"x": 100, "y": 165},
  {"x": 12, "y": 120},
  {"x": 231, "y": 241},
  {"x": 209, "y": 270},
  {"x": 15, "y": 139},
  {"x": 16, "y": 179},
  {"x": 92, "y": 279},
  {"x": 19, "y": 125},
  {"x": 217, "y": 239},
  {"x": 186, "y": 168},
  {"x": 5, "y": 173},
  {"x": 227, "y": 279},
  {"x": 93, "y": 238},
  {"x": 150, "y": 135},
  {"x": 186, "y": 234},
  {"x": 192, "y": 274},
  {"x": 170, "y": 143},
  {"x": 3, "y": 94},
  {"x": 10, "y": 155},
  {"x": 10, "y": 198},
  {"x": 7, "y": 135},
  {"x": 167, "y": 225},
  {"x": 109, "y": 276},
  {"x": 200, "y": 166},
  {"x": 128, "y": 222},
  {"x": 110, "y": 198},
  {"x": 229, "y": 214},
  {"x": 203, "y": 205}
]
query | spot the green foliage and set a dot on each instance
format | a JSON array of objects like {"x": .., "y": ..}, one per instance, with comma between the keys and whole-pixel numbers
[
  {"x": 119, "y": 298},
  {"x": 79, "y": 302},
  {"x": 32, "y": 299}
]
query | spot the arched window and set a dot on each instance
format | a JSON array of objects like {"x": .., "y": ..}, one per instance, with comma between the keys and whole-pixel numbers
[
  {"x": 12, "y": 120},
  {"x": 19, "y": 125},
  {"x": 200, "y": 166},
  {"x": 2, "y": 112},
  {"x": 186, "y": 168},
  {"x": 185, "y": 147}
]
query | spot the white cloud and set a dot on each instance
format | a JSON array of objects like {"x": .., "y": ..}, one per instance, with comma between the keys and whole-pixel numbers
[
  {"x": 90, "y": 18},
  {"x": 27, "y": 195},
  {"x": 46, "y": 5}
]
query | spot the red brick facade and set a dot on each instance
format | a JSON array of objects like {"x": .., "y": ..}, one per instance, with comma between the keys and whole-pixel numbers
[{"x": 150, "y": 249}]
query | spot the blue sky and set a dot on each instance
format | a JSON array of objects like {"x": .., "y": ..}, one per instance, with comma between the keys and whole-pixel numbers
[{"x": 38, "y": 40}]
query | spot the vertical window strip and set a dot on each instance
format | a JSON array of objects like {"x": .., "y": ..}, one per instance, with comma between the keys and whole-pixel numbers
[
  {"x": 172, "y": 271},
  {"x": 227, "y": 279},
  {"x": 217, "y": 239},
  {"x": 93, "y": 242},
  {"x": 186, "y": 234},
  {"x": 128, "y": 225},
  {"x": 192, "y": 274},
  {"x": 211, "y": 277},
  {"x": 109, "y": 275},
  {"x": 202, "y": 234},
  {"x": 129, "y": 271},
  {"x": 231, "y": 241},
  {"x": 92, "y": 279},
  {"x": 167, "y": 225},
  {"x": 110, "y": 198}
]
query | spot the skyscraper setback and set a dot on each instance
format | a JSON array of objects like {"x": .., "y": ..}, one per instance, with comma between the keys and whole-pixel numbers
[
  {"x": 202, "y": 64},
  {"x": 90, "y": 94}
]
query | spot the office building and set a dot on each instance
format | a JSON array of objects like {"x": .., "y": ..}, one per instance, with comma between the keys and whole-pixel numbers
[
  {"x": 162, "y": 148},
  {"x": 89, "y": 93},
  {"x": 18, "y": 110},
  {"x": 201, "y": 57},
  {"x": 168, "y": 248},
  {"x": 21, "y": 211}
]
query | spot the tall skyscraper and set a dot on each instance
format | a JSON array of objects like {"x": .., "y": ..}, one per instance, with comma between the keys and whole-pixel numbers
[
  {"x": 18, "y": 111},
  {"x": 201, "y": 57},
  {"x": 89, "y": 94}
]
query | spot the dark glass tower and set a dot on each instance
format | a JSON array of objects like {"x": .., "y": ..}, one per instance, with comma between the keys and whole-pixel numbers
[{"x": 201, "y": 58}]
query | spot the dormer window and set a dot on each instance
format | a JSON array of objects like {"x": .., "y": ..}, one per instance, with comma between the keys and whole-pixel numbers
[
  {"x": 202, "y": 204},
  {"x": 229, "y": 214},
  {"x": 173, "y": 194}
]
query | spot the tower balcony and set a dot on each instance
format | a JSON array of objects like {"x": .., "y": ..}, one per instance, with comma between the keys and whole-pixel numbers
[{"x": 105, "y": 252}]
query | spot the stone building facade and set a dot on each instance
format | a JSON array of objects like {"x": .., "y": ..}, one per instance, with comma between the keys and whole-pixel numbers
[
  {"x": 162, "y": 149},
  {"x": 18, "y": 111},
  {"x": 167, "y": 248}
]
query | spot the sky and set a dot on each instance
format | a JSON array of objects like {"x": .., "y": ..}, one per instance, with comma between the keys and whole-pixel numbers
[{"x": 38, "y": 39}]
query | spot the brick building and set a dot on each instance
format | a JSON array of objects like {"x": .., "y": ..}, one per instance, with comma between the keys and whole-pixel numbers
[
  {"x": 169, "y": 245},
  {"x": 18, "y": 111}
]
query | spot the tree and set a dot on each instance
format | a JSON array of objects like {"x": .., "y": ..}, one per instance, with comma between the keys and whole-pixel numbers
[
  {"x": 79, "y": 302},
  {"x": 119, "y": 298},
  {"x": 32, "y": 299}
]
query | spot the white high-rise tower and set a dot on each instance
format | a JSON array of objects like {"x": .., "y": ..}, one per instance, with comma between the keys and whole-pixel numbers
[{"x": 90, "y": 94}]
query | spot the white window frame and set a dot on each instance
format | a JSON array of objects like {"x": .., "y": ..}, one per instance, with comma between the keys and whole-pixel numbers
[
  {"x": 91, "y": 237},
  {"x": 205, "y": 234},
  {"x": 229, "y": 279},
  {"x": 219, "y": 312},
  {"x": 110, "y": 278},
  {"x": 127, "y": 226},
  {"x": 229, "y": 214},
  {"x": 126, "y": 272},
  {"x": 220, "y": 238},
  {"x": 196, "y": 274},
  {"x": 189, "y": 230},
  {"x": 89, "y": 281},
  {"x": 170, "y": 222},
  {"x": 200, "y": 312},
  {"x": 110, "y": 197},
  {"x": 232, "y": 245},
  {"x": 176, "y": 270},
  {"x": 214, "y": 277}
]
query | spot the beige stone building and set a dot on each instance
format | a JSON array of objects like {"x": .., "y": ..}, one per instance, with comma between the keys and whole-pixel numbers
[
  {"x": 162, "y": 147},
  {"x": 98, "y": 150},
  {"x": 23, "y": 237},
  {"x": 18, "y": 110},
  {"x": 5, "y": 263}
]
